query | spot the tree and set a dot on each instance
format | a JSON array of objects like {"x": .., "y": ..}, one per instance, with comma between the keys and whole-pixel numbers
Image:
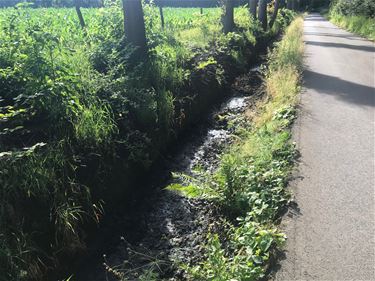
[
  {"x": 253, "y": 5},
  {"x": 134, "y": 25},
  {"x": 262, "y": 14},
  {"x": 227, "y": 18},
  {"x": 275, "y": 11}
]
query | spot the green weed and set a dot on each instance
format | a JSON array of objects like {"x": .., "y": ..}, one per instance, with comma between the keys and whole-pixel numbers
[
  {"x": 356, "y": 16},
  {"x": 357, "y": 24},
  {"x": 251, "y": 181}
]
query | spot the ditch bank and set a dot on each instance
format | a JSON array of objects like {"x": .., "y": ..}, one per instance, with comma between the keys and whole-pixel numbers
[
  {"x": 136, "y": 192},
  {"x": 167, "y": 228}
]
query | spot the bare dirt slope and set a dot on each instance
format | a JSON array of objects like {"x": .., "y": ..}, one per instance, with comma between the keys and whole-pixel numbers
[{"x": 331, "y": 234}]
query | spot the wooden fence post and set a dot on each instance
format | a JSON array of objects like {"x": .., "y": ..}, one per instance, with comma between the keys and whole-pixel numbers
[{"x": 134, "y": 24}]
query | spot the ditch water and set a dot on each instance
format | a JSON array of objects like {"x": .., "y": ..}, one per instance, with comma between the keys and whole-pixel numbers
[{"x": 168, "y": 227}]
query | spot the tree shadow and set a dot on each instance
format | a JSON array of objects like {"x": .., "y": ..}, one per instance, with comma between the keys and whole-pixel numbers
[
  {"x": 341, "y": 45},
  {"x": 347, "y": 91},
  {"x": 345, "y": 36},
  {"x": 278, "y": 255},
  {"x": 315, "y": 17},
  {"x": 326, "y": 28}
]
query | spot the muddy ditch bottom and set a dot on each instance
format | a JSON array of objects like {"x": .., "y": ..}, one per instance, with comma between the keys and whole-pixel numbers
[{"x": 168, "y": 228}]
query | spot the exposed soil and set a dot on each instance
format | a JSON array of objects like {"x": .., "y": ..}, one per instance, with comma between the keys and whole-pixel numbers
[{"x": 167, "y": 227}]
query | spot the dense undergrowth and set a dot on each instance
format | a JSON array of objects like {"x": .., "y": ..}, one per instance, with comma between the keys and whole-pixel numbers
[
  {"x": 356, "y": 16},
  {"x": 250, "y": 184},
  {"x": 80, "y": 121}
]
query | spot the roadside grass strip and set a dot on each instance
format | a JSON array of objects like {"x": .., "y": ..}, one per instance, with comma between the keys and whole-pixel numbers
[{"x": 251, "y": 182}]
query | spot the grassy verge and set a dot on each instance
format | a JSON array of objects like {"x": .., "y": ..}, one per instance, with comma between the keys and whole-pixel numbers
[
  {"x": 357, "y": 24},
  {"x": 251, "y": 181}
]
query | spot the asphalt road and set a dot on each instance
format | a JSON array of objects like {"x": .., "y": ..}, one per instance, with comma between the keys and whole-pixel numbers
[{"x": 331, "y": 234}]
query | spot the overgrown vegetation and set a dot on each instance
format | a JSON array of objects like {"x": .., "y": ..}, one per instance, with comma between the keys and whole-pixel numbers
[
  {"x": 80, "y": 120},
  {"x": 357, "y": 16},
  {"x": 251, "y": 181}
]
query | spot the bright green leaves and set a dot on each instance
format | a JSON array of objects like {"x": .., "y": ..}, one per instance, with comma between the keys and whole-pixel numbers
[{"x": 242, "y": 257}]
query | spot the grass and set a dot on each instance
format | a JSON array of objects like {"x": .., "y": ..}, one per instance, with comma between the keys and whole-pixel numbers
[
  {"x": 357, "y": 24},
  {"x": 252, "y": 179}
]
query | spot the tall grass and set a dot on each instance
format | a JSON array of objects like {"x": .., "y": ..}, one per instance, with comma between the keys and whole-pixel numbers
[
  {"x": 251, "y": 181},
  {"x": 358, "y": 24},
  {"x": 357, "y": 16}
]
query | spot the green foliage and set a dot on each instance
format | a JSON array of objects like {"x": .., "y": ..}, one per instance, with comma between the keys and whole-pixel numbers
[
  {"x": 75, "y": 106},
  {"x": 39, "y": 183},
  {"x": 257, "y": 182},
  {"x": 249, "y": 245},
  {"x": 356, "y": 16},
  {"x": 287, "y": 52},
  {"x": 251, "y": 181},
  {"x": 364, "y": 8},
  {"x": 94, "y": 125},
  {"x": 187, "y": 190}
]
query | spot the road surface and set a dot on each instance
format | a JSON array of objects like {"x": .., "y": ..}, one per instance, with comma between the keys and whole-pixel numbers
[{"x": 331, "y": 233}]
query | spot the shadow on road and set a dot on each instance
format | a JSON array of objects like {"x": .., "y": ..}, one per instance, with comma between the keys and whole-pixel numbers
[
  {"x": 340, "y": 45},
  {"x": 345, "y": 36},
  {"x": 345, "y": 90}
]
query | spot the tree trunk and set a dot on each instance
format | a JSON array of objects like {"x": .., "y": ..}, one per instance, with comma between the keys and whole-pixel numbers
[
  {"x": 227, "y": 18},
  {"x": 275, "y": 11},
  {"x": 253, "y": 5},
  {"x": 281, "y": 4},
  {"x": 161, "y": 16},
  {"x": 312, "y": 4},
  {"x": 77, "y": 4},
  {"x": 262, "y": 14},
  {"x": 289, "y": 4},
  {"x": 294, "y": 5},
  {"x": 134, "y": 25}
]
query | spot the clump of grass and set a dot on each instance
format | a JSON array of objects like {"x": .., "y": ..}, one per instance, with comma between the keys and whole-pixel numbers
[
  {"x": 46, "y": 191},
  {"x": 356, "y": 16},
  {"x": 251, "y": 181},
  {"x": 94, "y": 125},
  {"x": 361, "y": 25}
]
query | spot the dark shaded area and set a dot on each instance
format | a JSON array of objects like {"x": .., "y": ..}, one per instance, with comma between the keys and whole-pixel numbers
[
  {"x": 314, "y": 18},
  {"x": 341, "y": 45},
  {"x": 346, "y": 36},
  {"x": 293, "y": 211},
  {"x": 165, "y": 226},
  {"x": 345, "y": 90},
  {"x": 326, "y": 28}
]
